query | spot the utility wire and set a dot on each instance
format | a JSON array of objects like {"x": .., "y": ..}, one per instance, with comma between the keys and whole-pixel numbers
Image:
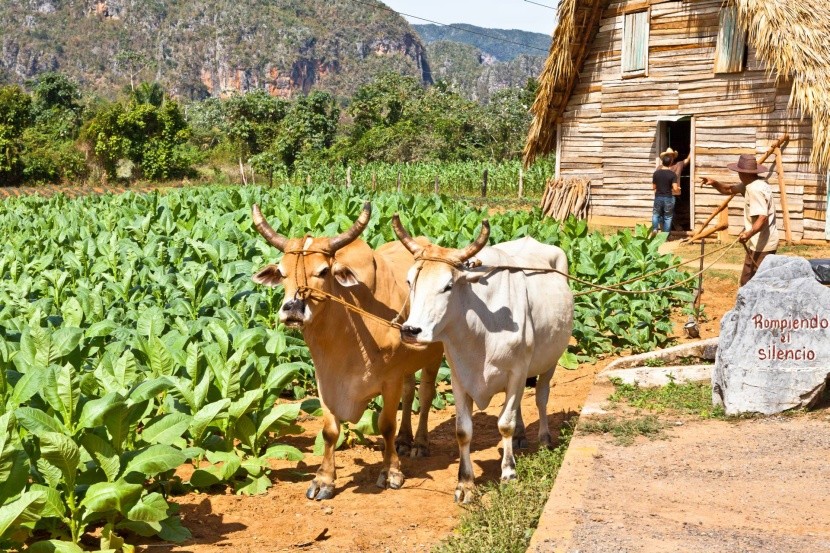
[
  {"x": 538, "y": 4},
  {"x": 387, "y": 8}
]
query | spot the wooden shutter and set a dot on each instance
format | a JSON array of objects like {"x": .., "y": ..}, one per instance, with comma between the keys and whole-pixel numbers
[
  {"x": 730, "y": 51},
  {"x": 635, "y": 43}
]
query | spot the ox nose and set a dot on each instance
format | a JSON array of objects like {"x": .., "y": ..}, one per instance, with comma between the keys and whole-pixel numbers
[
  {"x": 407, "y": 330},
  {"x": 294, "y": 305}
]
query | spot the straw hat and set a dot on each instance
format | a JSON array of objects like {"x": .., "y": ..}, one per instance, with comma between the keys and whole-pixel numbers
[
  {"x": 747, "y": 164},
  {"x": 669, "y": 152}
]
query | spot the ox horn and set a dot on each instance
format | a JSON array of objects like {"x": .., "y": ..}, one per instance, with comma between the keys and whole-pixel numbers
[
  {"x": 273, "y": 237},
  {"x": 350, "y": 235},
  {"x": 479, "y": 243},
  {"x": 408, "y": 242}
]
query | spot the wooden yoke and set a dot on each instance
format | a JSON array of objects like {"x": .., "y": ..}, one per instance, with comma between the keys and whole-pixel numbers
[{"x": 723, "y": 223}]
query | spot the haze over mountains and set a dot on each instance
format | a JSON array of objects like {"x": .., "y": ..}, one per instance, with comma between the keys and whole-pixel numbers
[{"x": 201, "y": 48}]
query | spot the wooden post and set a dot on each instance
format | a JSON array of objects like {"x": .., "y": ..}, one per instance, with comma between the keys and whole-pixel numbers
[
  {"x": 436, "y": 185},
  {"x": 723, "y": 235},
  {"x": 399, "y": 181},
  {"x": 521, "y": 181},
  {"x": 242, "y": 171},
  {"x": 349, "y": 176},
  {"x": 484, "y": 184},
  {"x": 253, "y": 176},
  {"x": 782, "y": 188},
  {"x": 308, "y": 180}
]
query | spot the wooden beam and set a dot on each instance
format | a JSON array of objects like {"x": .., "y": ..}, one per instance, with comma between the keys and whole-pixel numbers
[{"x": 782, "y": 188}]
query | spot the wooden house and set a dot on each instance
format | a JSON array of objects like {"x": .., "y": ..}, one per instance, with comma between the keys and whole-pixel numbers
[{"x": 627, "y": 78}]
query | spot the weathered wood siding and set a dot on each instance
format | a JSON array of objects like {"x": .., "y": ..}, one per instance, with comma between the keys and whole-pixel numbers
[{"x": 609, "y": 128}]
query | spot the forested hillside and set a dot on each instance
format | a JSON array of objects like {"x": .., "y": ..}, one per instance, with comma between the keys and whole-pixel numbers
[
  {"x": 500, "y": 44},
  {"x": 203, "y": 48}
]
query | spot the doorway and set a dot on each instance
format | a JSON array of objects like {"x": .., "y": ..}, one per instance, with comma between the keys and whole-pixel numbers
[{"x": 678, "y": 136}]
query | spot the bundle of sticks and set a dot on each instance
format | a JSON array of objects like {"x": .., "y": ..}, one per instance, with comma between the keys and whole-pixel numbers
[{"x": 564, "y": 197}]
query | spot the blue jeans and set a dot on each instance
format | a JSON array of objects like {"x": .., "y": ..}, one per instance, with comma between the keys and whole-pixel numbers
[{"x": 663, "y": 209}]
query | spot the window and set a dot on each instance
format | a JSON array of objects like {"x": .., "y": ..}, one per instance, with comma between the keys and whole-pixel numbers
[
  {"x": 635, "y": 44},
  {"x": 730, "y": 52}
]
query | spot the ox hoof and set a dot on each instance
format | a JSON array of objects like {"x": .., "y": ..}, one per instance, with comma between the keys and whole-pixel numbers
[
  {"x": 403, "y": 449},
  {"x": 508, "y": 475},
  {"x": 520, "y": 442},
  {"x": 546, "y": 441},
  {"x": 390, "y": 479},
  {"x": 464, "y": 493},
  {"x": 319, "y": 491},
  {"x": 419, "y": 451}
]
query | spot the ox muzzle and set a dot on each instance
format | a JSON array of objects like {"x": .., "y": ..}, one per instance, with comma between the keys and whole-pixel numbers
[{"x": 294, "y": 313}]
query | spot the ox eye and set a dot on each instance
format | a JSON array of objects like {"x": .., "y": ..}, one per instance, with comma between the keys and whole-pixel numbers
[
  {"x": 323, "y": 272},
  {"x": 448, "y": 287}
]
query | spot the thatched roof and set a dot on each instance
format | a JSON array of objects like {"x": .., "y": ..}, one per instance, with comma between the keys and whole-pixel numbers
[{"x": 791, "y": 36}]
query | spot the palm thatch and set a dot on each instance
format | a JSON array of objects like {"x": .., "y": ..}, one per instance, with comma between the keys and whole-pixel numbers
[{"x": 791, "y": 36}]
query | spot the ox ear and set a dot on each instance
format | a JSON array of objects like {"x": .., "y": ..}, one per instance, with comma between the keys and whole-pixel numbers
[
  {"x": 344, "y": 275},
  {"x": 269, "y": 276}
]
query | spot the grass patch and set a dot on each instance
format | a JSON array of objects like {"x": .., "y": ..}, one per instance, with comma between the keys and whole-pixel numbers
[
  {"x": 625, "y": 430},
  {"x": 503, "y": 516},
  {"x": 691, "y": 398}
]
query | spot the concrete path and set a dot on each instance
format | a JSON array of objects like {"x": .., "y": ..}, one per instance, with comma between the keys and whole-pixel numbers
[{"x": 755, "y": 485}]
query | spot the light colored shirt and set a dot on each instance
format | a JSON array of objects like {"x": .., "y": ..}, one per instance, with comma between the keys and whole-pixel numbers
[{"x": 758, "y": 201}]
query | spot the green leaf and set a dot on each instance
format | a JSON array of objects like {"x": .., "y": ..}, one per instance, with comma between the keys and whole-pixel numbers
[
  {"x": 283, "y": 451},
  {"x": 282, "y": 375},
  {"x": 167, "y": 429},
  {"x": 280, "y": 420},
  {"x": 155, "y": 460},
  {"x": 312, "y": 406},
  {"x": 72, "y": 312},
  {"x": 26, "y": 388},
  {"x": 104, "y": 455},
  {"x": 149, "y": 389},
  {"x": 569, "y": 361},
  {"x": 206, "y": 416},
  {"x": 161, "y": 362},
  {"x": 245, "y": 403},
  {"x": 62, "y": 452},
  {"x": 54, "y": 505},
  {"x": 54, "y": 546},
  {"x": 19, "y": 517},
  {"x": 100, "y": 329},
  {"x": 254, "y": 485},
  {"x": 111, "y": 496},
  {"x": 368, "y": 423},
  {"x": 64, "y": 340},
  {"x": 95, "y": 411},
  {"x": 150, "y": 508},
  {"x": 172, "y": 530}
]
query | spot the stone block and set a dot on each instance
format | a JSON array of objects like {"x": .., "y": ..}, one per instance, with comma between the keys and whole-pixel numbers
[{"x": 774, "y": 346}]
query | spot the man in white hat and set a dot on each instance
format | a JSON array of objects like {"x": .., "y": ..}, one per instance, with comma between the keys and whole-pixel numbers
[
  {"x": 666, "y": 185},
  {"x": 760, "y": 231}
]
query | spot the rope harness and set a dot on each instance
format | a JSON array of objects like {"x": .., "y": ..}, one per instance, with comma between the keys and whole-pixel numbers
[{"x": 304, "y": 291}]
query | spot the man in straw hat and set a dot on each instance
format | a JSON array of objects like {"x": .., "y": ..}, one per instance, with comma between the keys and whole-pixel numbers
[
  {"x": 666, "y": 185},
  {"x": 760, "y": 235}
]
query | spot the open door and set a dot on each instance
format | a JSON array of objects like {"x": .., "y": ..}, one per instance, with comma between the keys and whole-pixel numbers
[{"x": 677, "y": 134}]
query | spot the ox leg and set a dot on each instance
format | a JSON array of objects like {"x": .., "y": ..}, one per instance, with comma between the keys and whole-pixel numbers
[
  {"x": 322, "y": 487},
  {"x": 519, "y": 435},
  {"x": 403, "y": 442},
  {"x": 465, "y": 489},
  {"x": 390, "y": 475},
  {"x": 542, "y": 394},
  {"x": 507, "y": 426},
  {"x": 426, "y": 393}
]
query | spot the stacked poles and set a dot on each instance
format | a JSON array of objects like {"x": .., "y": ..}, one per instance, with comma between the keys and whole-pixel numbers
[{"x": 566, "y": 197}]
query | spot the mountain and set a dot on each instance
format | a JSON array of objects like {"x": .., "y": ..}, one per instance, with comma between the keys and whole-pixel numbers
[
  {"x": 480, "y": 62},
  {"x": 200, "y": 48},
  {"x": 500, "y": 44}
]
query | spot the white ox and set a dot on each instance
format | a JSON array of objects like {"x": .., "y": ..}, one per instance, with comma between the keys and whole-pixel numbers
[
  {"x": 498, "y": 327},
  {"x": 355, "y": 356}
]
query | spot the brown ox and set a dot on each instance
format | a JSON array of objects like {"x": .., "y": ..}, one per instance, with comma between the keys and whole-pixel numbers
[{"x": 355, "y": 357}]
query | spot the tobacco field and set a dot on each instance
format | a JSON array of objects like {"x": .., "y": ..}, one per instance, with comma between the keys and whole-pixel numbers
[{"x": 132, "y": 342}]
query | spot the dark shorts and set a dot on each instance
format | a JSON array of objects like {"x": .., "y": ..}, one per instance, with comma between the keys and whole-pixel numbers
[{"x": 752, "y": 261}]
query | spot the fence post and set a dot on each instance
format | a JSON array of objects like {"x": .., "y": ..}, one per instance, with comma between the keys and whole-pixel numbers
[
  {"x": 436, "y": 185},
  {"x": 349, "y": 176},
  {"x": 484, "y": 184},
  {"x": 308, "y": 180},
  {"x": 399, "y": 181},
  {"x": 521, "y": 181}
]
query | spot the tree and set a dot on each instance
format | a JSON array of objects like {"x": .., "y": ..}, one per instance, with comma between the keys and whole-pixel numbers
[
  {"x": 308, "y": 129},
  {"x": 15, "y": 116}
]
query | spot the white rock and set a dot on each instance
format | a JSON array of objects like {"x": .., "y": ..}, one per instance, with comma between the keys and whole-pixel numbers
[{"x": 774, "y": 346}]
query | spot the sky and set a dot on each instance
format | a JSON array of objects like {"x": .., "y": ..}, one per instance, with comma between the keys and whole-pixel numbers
[{"x": 495, "y": 14}]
